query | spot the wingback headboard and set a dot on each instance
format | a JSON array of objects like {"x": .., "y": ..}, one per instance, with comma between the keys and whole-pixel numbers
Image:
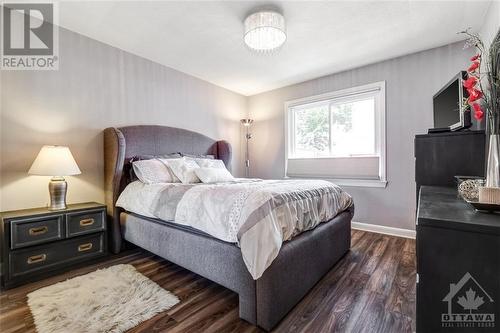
[{"x": 124, "y": 143}]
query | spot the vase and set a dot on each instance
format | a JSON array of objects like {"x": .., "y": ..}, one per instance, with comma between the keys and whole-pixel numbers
[{"x": 493, "y": 162}]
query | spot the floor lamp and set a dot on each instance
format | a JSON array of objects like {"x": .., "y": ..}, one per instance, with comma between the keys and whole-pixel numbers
[{"x": 247, "y": 123}]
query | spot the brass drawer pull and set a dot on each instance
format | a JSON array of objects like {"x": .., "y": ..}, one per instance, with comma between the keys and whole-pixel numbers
[
  {"x": 84, "y": 247},
  {"x": 38, "y": 230},
  {"x": 37, "y": 258},
  {"x": 86, "y": 222}
]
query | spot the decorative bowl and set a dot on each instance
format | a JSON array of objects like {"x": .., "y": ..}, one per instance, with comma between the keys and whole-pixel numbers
[{"x": 468, "y": 187}]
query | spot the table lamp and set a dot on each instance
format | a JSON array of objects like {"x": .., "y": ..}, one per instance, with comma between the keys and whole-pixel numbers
[{"x": 55, "y": 161}]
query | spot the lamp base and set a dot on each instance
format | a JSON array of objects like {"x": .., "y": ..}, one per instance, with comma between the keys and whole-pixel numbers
[{"x": 57, "y": 189}]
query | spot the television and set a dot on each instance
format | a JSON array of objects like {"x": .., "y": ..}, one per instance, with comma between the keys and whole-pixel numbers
[{"x": 449, "y": 111}]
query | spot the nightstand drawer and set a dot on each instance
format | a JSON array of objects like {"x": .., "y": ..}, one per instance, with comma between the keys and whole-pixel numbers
[
  {"x": 35, "y": 230},
  {"x": 80, "y": 223},
  {"x": 44, "y": 257}
]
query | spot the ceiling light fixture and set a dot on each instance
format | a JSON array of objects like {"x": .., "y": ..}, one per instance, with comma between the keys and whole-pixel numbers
[{"x": 265, "y": 31}]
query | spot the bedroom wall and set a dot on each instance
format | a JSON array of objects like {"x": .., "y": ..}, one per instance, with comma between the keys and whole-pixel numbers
[
  {"x": 411, "y": 82},
  {"x": 491, "y": 23},
  {"x": 98, "y": 86}
]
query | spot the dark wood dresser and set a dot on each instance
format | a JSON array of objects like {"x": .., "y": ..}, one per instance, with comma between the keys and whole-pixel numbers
[
  {"x": 38, "y": 242},
  {"x": 439, "y": 157},
  {"x": 458, "y": 265}
]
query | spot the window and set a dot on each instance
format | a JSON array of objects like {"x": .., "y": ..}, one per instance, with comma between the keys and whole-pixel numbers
[{"x": 338, "y": 135}]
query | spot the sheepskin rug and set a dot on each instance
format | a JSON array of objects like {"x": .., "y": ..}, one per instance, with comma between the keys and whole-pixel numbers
[{"x": 113, "y": 299}]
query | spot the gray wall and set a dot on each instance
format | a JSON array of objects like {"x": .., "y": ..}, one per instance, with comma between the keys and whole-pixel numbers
[
  {"x": 411, "y": 82},
  {"x": 98, "y": 86},
  {"x": 491, "y": 23}
]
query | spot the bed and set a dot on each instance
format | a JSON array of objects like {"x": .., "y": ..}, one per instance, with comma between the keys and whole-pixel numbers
[{"x": 299, "y": 265}]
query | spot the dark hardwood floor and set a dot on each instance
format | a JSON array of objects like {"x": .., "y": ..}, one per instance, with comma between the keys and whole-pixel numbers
[{"x": 372, "y": 289}]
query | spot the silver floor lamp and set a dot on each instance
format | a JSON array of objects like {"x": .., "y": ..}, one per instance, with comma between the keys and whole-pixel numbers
[{"x": 247, "y": 123}]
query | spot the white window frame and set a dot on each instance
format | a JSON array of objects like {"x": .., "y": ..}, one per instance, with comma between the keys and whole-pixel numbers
[{"x": 380, "y": 138}]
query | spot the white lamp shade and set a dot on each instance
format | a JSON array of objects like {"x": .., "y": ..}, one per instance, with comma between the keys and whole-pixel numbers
[
  {"x": 265, "y": 31},
  {"x": 54, "y": 161}
]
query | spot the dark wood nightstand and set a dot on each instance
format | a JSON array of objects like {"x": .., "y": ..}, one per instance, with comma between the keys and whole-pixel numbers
[{"x": 39, "y": 242}]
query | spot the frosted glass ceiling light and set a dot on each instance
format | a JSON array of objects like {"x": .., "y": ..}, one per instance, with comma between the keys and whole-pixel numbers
[{"x": 265, "y": 31}]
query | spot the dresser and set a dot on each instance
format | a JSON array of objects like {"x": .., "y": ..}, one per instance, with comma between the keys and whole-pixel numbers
[
  {"x": 439, "y": 157},
  {"x": 458, "y": 265},
  {"x": 38, "y": 242}
]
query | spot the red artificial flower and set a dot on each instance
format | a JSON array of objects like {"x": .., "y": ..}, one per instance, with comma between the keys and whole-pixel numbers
[
  {"x": 474, "y": 58},
  {"x": 478, "y": 111},
  {"x": 470, "y": 82},
  {"x": 473, "y": 67},
  {"x": 474, "y": 94}
]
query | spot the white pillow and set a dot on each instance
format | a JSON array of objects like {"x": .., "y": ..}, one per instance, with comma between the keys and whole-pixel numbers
[
  {"x": 152, "y": 171},
  {"x": 165, "y": 162},
  {"x": 213, "y": 175},
  {"x": 208, "y": 163},
  {"x": 183, "y": 168}
]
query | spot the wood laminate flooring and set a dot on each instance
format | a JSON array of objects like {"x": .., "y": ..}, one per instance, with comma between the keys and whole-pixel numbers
[{"x": 371, "y": 289}]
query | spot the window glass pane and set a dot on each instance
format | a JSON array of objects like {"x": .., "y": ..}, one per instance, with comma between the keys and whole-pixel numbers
[
  {"x": 353, "y": 128},
  {"x": 312, "y": 131}
]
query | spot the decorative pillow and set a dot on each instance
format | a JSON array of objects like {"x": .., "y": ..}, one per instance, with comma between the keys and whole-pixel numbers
[
  {"x": 165, "y": 162},
  {"x": 150, "y": 157},
  {"x": 169, "y": 156},
  {"x": 183, "y": 168},
  {"x": 213, "y": 175},
  {"x": 130, "y": 170},
  {"x": 208, "y": 163},
  {"x": 210, "y": 157},
  {"x": 152, "y": 172}
]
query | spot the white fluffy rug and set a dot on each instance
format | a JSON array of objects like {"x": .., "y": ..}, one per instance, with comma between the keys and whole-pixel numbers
[{"x": 114, "y": 299}]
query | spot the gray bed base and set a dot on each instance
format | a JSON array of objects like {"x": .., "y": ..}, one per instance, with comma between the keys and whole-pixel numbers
[{"x": 264, "y": 302}]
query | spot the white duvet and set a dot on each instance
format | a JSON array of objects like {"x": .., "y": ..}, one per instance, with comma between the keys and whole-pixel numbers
[{"x": 258, "y": 215}]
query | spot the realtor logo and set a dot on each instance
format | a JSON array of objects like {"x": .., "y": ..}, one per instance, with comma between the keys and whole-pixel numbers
[
  {"x": 468, "y": 305},
  {"x": 29, "y": 36}
]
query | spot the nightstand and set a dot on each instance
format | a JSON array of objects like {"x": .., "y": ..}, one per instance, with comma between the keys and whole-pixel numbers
[{"x": 39, "y": 242}]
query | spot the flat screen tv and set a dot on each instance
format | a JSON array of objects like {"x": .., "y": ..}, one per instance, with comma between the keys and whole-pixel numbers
[{"x": 449, "y": 113}]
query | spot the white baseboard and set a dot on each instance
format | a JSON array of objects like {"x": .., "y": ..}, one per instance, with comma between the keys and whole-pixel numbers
[{"x": 406, "y": 233}]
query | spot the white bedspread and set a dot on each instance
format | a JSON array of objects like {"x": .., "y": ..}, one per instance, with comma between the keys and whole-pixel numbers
[{"x": 258, "y": 215}]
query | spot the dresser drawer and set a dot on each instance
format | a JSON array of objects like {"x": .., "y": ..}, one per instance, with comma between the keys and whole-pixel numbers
[
  {"x": 80, "y": 223},
  {"x": 35, "y": 230},
  {"x": 44, "y": 257}
]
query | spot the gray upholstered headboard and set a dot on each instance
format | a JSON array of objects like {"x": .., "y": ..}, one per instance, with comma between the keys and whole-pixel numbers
[{"x": 124, "y": 143}]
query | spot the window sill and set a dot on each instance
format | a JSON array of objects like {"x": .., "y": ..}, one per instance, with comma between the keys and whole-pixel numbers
[
  {"x": 360, "y": 182},
  {"x": 349, "y": 182},
  {"x": 333, "y": 157}
]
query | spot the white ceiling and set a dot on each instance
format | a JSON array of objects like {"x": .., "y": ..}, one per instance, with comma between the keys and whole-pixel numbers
[{"x": 204, "y": 39}]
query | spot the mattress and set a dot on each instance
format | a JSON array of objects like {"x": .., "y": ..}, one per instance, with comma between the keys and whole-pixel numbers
[
  {"x": 257, "y": 215},
  {"x": 171, "y": 224}
]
